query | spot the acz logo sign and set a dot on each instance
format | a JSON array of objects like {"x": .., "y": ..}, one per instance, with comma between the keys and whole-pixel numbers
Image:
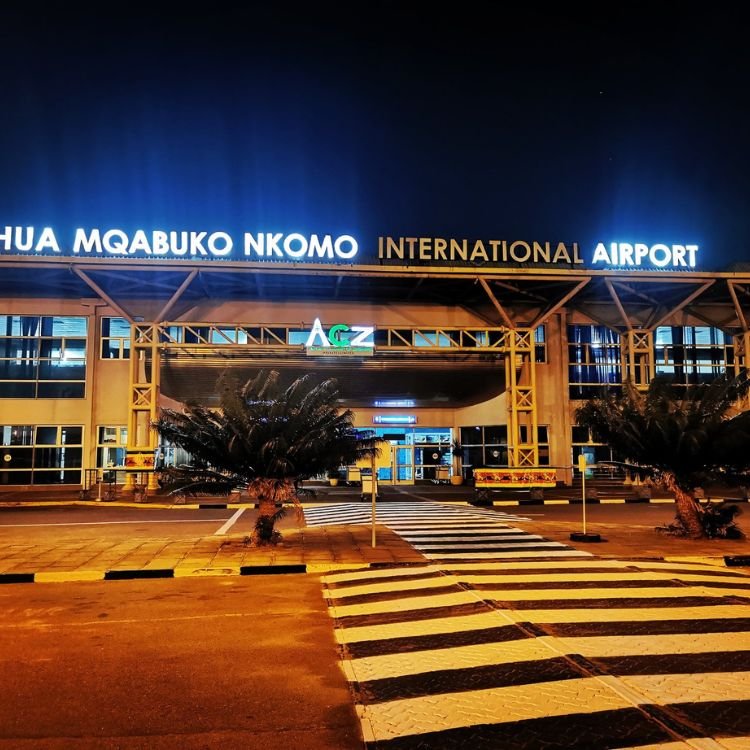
[{"x": 341, "y": 340}]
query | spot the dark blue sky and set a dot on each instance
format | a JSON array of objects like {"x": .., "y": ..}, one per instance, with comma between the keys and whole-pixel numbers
[{"x": 378, "y": 120}]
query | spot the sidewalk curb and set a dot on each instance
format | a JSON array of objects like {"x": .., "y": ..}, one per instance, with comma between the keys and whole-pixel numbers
[
  {"x": 570, "y": 501},
  {"x": 124, "y": 504},
  {"x": 131, "y": 574},
  {"x": 186, "y": 571},
  {"x": 594, "y": 501}
]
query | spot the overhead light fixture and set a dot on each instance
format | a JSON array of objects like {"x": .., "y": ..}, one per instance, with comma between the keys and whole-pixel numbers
[{"x": 394, "y": 419}]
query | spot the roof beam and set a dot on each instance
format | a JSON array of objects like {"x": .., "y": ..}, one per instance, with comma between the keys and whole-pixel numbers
[
  {"x": 613, "y": 293},
  {"x": 597, "y": 319},
  {"x": 636, "y": 293},
  {"x": 713, "y": 323},
  {"x": 504, "y": 315},
  {"x": 102, "y": 294},
  {"x": 557, "y": 305},
  {"x": 518, "y": 290},
  {"x": 737, "y": 307},
  {"x": 162, "y": 315},
  {"x": 697, "y": 293}
]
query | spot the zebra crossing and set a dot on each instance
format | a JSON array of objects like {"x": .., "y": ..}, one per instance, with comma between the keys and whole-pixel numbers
[
  {"x": 404, "y": 513},
  {"x": 503, "y": 639}
]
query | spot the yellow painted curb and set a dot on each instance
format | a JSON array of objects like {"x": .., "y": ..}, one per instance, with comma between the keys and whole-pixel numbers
[
  {"x": 190, "y": 572},
  {"x": 331, "y": 567},
  {"x": 611, "y": 501},
  {"x": 68, "y": 576}
]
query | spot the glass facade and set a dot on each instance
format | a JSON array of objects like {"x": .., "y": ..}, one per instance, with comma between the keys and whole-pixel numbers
[
  {"x": 421, "y": 453},
  {"x": 42, "y": 356},
  {"x": 692, "y": 354},
  {"x": 40, "y": 454}
]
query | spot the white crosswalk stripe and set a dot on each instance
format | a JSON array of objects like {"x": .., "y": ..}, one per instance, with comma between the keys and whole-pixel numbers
[{"x": 491, "y": 638}]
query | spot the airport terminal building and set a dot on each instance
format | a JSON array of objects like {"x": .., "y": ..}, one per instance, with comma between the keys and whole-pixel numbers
[{"x": 461, "y": 352}]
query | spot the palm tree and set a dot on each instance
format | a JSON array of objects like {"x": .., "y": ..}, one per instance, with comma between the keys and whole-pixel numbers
[
  {"x": 266, "y": 437},
  {"x": 683, "y": 441}
]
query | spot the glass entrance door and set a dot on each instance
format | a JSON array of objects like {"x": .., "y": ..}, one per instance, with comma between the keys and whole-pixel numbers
[{"x": 402, "y": 461}]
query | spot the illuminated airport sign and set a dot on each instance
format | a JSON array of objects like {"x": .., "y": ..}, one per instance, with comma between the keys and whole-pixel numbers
[
  {"x": 639, "y": 254},
  {"x": 491, "y": 252},
  {"x": 477, "y": 252},
  {"x": 303, "y": 249},
  {"x": 180, "y": 244},
  {"x": 340, "y": 340}
]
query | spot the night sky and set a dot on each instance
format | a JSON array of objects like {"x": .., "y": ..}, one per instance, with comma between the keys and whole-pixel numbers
[{"x": 377, "y": 119}]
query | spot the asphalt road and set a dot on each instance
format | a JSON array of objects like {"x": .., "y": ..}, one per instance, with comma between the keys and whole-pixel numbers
[
  {"x": 191, "y": 663},
  {"x": 58, "y": 524},
  {"x": 43, "y": 523}
]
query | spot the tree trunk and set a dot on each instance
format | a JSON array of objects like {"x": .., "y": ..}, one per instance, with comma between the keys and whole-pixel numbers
[
  {"x": 688, "y": 509},
  {"x": 269, "y": 492}
]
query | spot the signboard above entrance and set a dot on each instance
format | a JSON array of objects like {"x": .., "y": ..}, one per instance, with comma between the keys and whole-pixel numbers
[
  {"x": 180, "y": 244},
  {"x": 478, "y": 252},
  {"x": 306, "y": 249},
  {"x": 341, "y": 340}
]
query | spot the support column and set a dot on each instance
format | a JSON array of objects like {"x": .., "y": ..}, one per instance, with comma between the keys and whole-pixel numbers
[
  {"x": 520, "y": 371},
  {"x": 144, "y": 393},
  {"x": 742, "y": 360},
  {"x": 638, "y": 357}
]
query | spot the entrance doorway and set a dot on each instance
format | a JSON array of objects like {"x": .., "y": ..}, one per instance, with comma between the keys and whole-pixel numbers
[
  {"x": 402, "y": 460},
  {"x": 395, "y": 464},
  {"x": 415, "y": 454}
]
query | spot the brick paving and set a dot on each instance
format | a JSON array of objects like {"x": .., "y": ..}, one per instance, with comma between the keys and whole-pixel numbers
[{"x": 317, "y": 549}]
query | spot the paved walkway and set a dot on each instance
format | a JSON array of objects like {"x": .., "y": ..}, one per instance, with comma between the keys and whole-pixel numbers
[
  {"x": 329, "y": 537},
  {"x": 302, "y": 550}
]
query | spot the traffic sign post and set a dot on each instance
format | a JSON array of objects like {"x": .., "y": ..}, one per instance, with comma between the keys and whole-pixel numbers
[
  {"x": 582, "y": 469},
  {"x": 374, "y": 497},
  {"x": 583, "y": 536}
]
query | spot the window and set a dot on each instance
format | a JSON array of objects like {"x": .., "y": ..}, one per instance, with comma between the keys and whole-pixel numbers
[
  {"x": 431, "y": 338},
  {"x": 115, "y": 342},
  {"x": 487, "y": 446},
  {"x": 42, "y": 356},
  {"x": 42, "y": 454},
  {"x": 594, "y": 360},
  {"x": 228, "y": 335},
  {"x": 583, "y": 443},
  {"x": 484, "y": 446},
  {"x": 692, "y": 354},
  {"x": 540, "y": 344},
  {"x": 111, "y": 447}
]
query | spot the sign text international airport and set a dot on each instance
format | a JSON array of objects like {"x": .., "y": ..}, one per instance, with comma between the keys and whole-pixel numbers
[{"x": 303, "y": 248}]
